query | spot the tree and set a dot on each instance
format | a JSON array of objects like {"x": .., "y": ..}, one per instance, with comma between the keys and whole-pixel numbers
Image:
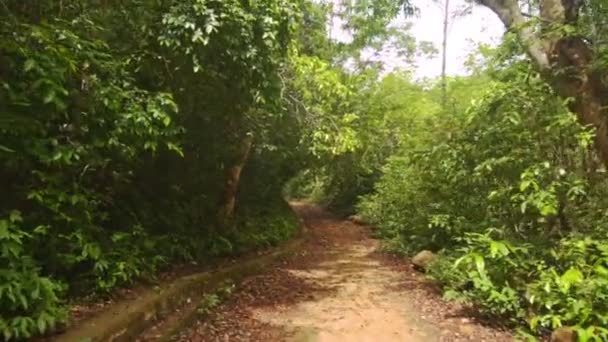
[
  {"x": 444, "y": 47},
  {"x": 126, "y": 137},
  {"x": 563, "y": 50}
]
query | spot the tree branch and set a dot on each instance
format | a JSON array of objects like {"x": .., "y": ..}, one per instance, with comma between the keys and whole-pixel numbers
[{"x": 511, "y": 15}]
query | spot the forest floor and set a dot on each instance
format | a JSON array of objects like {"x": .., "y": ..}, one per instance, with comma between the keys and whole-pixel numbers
[{"x": 340, "y": 287}]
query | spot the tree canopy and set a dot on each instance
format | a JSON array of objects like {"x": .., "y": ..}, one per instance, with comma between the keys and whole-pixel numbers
[{"x": 139, "y": 135}]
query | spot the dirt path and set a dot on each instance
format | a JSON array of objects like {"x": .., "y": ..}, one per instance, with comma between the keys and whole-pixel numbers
[{"x": 340, "y": 288}]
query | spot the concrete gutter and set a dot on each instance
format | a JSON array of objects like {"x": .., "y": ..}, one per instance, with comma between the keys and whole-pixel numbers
[{"x": 125, "y": 321}]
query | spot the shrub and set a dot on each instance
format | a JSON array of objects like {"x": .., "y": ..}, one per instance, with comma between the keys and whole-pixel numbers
[
  {"x": 522, "y": 163},
  {"x": 30, "y": 302}
]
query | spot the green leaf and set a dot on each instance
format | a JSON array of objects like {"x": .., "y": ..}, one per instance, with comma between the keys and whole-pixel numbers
[
  {"x": 524, "y": 185},
  {"x": 498, "y": 248},
  {"x": 175, "y": 148},
  {"x": 600, "y": 269},
  {"x": 6, "y": 149},
  {"x": 4, "y": 231},
  {"x": 29, "y": 65},
  {"x": 15, "y": 216},
  {"x": 41, "y": 324},
  {"x": 459, "y": 261},
  {"x": 571, "y": 277},
  {"x": 49, "y": 97},
  {"x": 23, "y": 301},
  {"x": 480, "y": 263}
]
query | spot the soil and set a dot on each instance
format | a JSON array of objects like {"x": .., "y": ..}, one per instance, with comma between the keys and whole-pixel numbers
[
  {"x": 339, "y": 288},
  {"x": 83, "y": 309}
]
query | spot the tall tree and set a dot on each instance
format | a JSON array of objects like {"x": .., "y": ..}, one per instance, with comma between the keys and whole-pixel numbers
[
  {"x": 563, "y": 51},
  {"x": 444, "y": 47}
]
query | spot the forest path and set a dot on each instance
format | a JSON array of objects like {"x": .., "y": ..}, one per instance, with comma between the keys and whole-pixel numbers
[{"x": 339, "y": 288}]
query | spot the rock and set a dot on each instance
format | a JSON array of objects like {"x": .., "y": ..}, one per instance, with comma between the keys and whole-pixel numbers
[
  {"x": 357, "y": 219},
  {"x": 563, "y": 334},
  {"x": 423, "y": 259}
]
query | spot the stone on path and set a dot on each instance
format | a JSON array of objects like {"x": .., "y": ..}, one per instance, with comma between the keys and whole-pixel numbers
[
  {"x": 563, "y": 334},
  {"x": 423, "y": 259}
]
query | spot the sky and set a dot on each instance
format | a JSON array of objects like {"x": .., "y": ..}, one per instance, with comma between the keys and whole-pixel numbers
[{"x": 480, "y": 25}]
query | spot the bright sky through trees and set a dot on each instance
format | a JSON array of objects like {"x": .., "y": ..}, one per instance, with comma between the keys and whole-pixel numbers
[
  {"x": 466, "y": 30},
  {"x": 480, "y": 25}
]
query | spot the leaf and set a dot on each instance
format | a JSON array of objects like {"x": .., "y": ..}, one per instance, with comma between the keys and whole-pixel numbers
[
  {"x": 459, "y": 260},
  {"x": 498, "y": 248},
  {"x": 570, "y": 277},
  {"x": 209, "y": 28},
  {"x": 29, "y": 65},
  {"x": 197, "y": 36},
  {"x": 548, "y": 209},
  {"x": 23, "y": 301},
  {"x": 175, "y": 148},
  {"x": 41, "y": 324},
  {"x": 524, "y": 185},
  {"x": 4, "y": 231},
  {"x": 7, "y": 333},
  {"x": 35, "y": 292},
  {"x": 600, "y": 269},
  {"x": 479, "y": 263},
  {"x": 15, "y": 216},
  {"x": 6, "y": 149},
  {"x": 49, "y": 97}
]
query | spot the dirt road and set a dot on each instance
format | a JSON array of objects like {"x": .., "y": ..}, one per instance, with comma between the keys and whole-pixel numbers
[{"x": 340, "y": 288}]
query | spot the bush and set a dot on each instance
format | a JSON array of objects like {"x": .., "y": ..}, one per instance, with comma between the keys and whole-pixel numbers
[
  {"x": 30, "y": 302},
  {"x": 505, "y": 201},
  {"x": 544, "y": 289},
  {"x": 102, "y": 184},
  {"x": 571, "y": 289},
  {"x": 491, "y": 274}
]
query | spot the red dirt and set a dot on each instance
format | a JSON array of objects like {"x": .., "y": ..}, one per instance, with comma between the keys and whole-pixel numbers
[{"x": 339, "y": 288}]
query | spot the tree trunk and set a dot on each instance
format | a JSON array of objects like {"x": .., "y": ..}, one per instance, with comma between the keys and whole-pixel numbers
[
  {"x": 565, "y": 62},
  {"x": 233, "y": 176},
  {"x": 444, "y": 45},
  {"x": 590, "y": 104},
  {"x": 582, "y": 82}
]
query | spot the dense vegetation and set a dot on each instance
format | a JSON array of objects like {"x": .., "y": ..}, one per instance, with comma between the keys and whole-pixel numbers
[
  {"x": 137, "y": 135},
  {"x": 125, "y": 129},
  {"x": 505, "y": 179}
]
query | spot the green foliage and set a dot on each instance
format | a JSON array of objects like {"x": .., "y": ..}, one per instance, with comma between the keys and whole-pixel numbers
[
  {"x": 248, "y": 39},
  {"x": 256, "y": 228},
  {"x": 118, "y": 124},
  {"x": 572, "y": 288},
  {"x": 490, "y": 273},
  {"x": 375, "y": 123},
  {"x": 74, "y": 125},
  {"x": 212, "y": 300},
  {"x": 30, "y": 302},
  {"x": 511, "y": 195},
  {"x": 122, "y": 127},
  {"x": 565, "y": 285}
]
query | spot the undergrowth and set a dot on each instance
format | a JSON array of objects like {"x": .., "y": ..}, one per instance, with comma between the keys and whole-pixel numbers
[{"x": 513, "y": 203}]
